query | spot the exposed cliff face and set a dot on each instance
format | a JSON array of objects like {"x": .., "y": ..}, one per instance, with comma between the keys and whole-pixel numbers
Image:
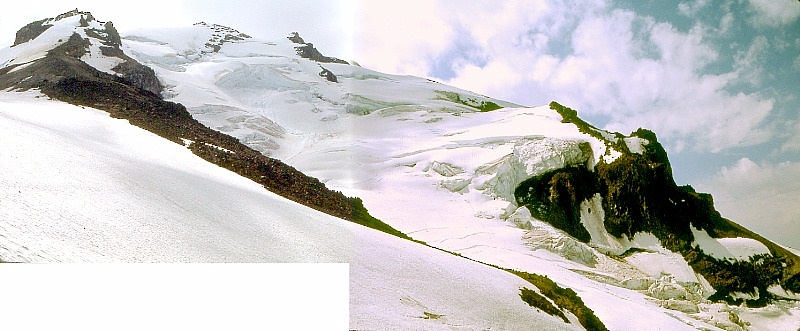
[
  {"x": 139, "y": 75},
  {"x": 35, "y": 29},
  {"x": 639, "y": 195},
  {"x": 64, "y": 61}
]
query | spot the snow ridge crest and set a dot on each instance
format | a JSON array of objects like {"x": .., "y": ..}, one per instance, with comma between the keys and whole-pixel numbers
[{"x": 35, "y": 29}]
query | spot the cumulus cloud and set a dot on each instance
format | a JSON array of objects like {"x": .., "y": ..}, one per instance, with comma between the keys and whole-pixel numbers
[
  {"x": 762, "y": 197},
  {"x": 792, "y": 144},
  {"x": 748, "y": 63},
  {"x": 774, "y": 13},
  {"x": 690, "y": 9},
  {"x": 627, "y": 68},
  {"x": 669, "y": 91},
  {"x": 401, "y": 37}
]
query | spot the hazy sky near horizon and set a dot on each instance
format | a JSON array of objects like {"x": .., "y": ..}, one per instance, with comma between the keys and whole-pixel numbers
[{"x": 718, "y": 81}]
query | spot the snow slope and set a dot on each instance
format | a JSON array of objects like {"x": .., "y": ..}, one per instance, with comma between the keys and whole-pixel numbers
[
  {"x": 423, "y": 157},
  {"x": 427, "y": 164},
  {"x": 729, "y": 248},
  {"x": 58, "y": 34},
  {"x": 81, "y": 186}
]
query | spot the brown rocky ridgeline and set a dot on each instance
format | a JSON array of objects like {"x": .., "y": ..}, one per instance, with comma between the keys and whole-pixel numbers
[{"x": 134, "y": 95}]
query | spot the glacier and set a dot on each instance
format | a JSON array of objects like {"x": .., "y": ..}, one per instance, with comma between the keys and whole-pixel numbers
[{"x": 423, "y": 156}]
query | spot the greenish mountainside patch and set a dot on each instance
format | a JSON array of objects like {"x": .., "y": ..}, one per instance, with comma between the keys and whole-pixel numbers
[
  {"x": 361, "y": 216},
  {"x": 564, "y": 298},
  {"x": 482, "y": 105},
  {"x": 537, "y": 301},
  {"x": 570, "y": 115},
  {"x": 361, "y": 105}
]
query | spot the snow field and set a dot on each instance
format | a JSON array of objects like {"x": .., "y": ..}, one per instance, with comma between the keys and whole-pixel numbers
[
  {"x": 81, "y": 186},
  {"x": 740, "y": 249},
  {"x": 397, "y": 148},
  {"x": 49, "y": 39},
  {"x": 92, "y": 188},
  {"x": 431, "y": 168}
]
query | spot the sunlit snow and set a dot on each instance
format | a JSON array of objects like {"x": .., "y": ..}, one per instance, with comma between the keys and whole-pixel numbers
[
  {"x": 438, "y": 170},
  {"x": 82, "y": 186},
  {"x": 728, "y": 248}
]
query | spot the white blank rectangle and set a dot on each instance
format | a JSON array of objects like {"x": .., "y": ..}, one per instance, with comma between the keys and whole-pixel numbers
[{"x": 174, "y": 296}]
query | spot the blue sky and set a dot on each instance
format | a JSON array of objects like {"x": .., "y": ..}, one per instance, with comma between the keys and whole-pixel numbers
[{"x": 718, "y": 81}]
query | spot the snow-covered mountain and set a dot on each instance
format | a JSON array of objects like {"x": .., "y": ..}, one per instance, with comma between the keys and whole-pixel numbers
[{"x": 496, "y": 195}]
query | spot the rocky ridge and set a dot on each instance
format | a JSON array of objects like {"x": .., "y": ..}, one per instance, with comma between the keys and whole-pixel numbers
[
  {"x": 634, "y": 193},
  {"x": 625, "y": 186},
  {"x": 134, "y": 94},
  {"x": 308, "y": 51},
  {"x": 222, "y": 34}
]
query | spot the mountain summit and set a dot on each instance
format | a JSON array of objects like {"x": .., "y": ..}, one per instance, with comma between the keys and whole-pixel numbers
[
  {"x": 521, "y": 217},
  {"x": 73, "y": 44},
  {"x": 86, "y": 65}
]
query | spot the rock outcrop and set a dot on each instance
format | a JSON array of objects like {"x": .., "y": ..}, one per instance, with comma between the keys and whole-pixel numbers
[
  {"x": 35, "y": 29},
  {"x": 328, "y": 75},
  {"x": 61, "y": 60},
  {"x": 31, "y": 31},
  {"x": 221, "y": 35},
  {"x": 638, "y": 194},
  {"x": 139, "y": 75},
  {"x": 308, "y": 51}
]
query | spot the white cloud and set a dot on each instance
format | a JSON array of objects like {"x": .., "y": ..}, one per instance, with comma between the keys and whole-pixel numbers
[
  {"x": 633, "y": 70},
  {"x": 775, "y": 13},
  {"x": 726, "y": 23},
  {"x": 492, "y": 78},
  {"x": 400, "y": 37},
  {"x": 748, "y": 63},
  {"x": 762, "y": 197},
  {"x": 673, "y": 96},
  {"x": 690, "y": 9},
  {"x": 792, "y": 144}
]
